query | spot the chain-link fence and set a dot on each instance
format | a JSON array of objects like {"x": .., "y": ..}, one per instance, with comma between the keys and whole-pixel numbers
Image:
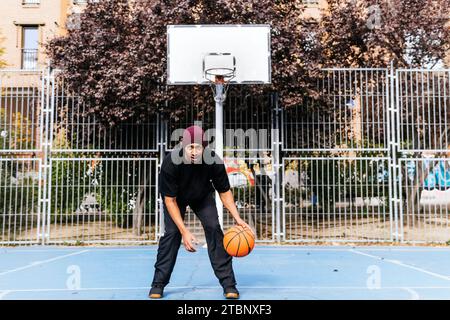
[{"x": 365, "y": 160}]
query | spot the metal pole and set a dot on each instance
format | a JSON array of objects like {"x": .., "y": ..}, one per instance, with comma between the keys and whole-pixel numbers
[
  {"x": 219, "y": 98},
  {"x": 277, "y": 166},
  {"x": 394, "y": 146},
  {"x": 48, "y": 99},
  {"x": 162, "y": 122}
]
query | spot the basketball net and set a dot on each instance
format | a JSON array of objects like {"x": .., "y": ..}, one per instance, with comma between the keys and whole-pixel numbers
[
  {"x": 220, "y": 80},
  {"x": 219, "y": 84}
]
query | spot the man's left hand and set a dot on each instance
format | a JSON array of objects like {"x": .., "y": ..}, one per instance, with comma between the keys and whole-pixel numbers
[{"x": 244, "y": 225}]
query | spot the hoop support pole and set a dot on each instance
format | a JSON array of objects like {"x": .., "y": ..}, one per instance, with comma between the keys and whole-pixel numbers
[{"x": 219, "y": 98}]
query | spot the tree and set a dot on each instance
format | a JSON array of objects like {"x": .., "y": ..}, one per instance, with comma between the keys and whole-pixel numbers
[
  {"x": 116, "y": 58},
  {"x": 372, "y": 33},
  {"x": 410, "y": 33}
]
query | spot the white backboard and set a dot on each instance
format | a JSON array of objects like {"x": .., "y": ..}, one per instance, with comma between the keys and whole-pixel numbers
[{"x": 187, "y": 46}]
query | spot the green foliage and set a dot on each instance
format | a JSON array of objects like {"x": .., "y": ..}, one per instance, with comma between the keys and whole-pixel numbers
[
  {"x": 117, "y": 200},
  {"x": 325, "y": 182},
  {"x": 113, "y": 184},
  {"x": 19, "y": 184},
  {"x": 19, "y": 196},
  {"x": 119, "y": 197},
  {"x": 15, "y": 131},
  {"x": 67, "y": 195}
]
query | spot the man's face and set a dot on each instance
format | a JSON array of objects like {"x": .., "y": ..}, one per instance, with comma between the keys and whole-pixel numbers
[{"x": 193, "y": 152}]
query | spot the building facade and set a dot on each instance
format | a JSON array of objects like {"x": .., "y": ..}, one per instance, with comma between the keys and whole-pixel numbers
[{"x": 25, "y": 26}]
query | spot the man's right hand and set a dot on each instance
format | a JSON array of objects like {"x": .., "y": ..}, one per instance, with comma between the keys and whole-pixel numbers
[{"x": 188, "y": 241}]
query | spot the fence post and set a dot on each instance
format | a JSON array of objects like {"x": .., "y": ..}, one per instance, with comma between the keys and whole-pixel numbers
[
  {"x": 276, "y": 146},
  {"x": 394, "y": 146},
  {"x": 47, "y": 105},
  {"x": 162, "y": 147}
]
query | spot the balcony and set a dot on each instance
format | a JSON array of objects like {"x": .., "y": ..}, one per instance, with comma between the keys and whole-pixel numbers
[{"x": 29, "y": 59}]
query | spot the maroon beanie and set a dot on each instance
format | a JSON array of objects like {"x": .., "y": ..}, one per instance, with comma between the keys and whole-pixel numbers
[{"x": 193, "y": 134}]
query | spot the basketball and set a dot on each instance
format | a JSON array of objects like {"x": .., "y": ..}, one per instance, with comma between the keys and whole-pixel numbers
[{"x": 238, "y": 242}]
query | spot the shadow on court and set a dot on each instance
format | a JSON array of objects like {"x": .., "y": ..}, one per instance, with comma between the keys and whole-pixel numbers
[{"x": 269, "y": 272}]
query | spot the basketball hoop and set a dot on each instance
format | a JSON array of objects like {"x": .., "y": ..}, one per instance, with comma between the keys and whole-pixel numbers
[
  {"x": 219, "y": 79},
  {"x": 219, "y": 75},
  {"x": 219, "y": 69}
]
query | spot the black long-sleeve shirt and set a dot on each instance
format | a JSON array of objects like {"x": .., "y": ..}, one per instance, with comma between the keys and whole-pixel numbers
[{"x": 190, "y": 183}]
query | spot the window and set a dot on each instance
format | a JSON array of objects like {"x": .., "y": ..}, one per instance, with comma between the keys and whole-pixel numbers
[{"x": 30, "y": 42}]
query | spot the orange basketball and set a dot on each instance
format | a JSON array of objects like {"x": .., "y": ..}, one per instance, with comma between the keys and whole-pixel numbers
[{"x": 238, "y": 242}]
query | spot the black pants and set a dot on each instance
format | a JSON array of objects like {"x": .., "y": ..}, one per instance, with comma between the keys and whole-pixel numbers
[{"x": 169, "y": 244}]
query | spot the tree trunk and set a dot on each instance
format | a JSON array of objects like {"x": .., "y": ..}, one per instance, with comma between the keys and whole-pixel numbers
[
  {"x": 356, "y": 123},
  {"x": 139, "y": 208}
]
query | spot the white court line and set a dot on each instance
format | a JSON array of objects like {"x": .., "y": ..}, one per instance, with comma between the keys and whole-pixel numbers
[
  {"x": 274, "y": 248},
  {"x": 345, "y": 249},
  {"x": 38, "y": 263},
  {"x": 12, "y": 250},
  {"x": 408, "y": 289},
  {"x": 3, "y": 293},
  {"x": 399, "y": 263},
  {"x": 414, "y": 294}
]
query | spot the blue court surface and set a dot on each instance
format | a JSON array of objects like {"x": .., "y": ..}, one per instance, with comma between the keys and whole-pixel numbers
[{"x": 269, "y": 272}]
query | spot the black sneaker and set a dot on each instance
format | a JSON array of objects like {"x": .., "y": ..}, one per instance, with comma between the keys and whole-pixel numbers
[
  {"x": 156, "y": 292},
  {"x": 231, "y": 293}
]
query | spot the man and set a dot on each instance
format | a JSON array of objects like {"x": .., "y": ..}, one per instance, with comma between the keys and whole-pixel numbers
[{"x": 189, "y": 175}]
